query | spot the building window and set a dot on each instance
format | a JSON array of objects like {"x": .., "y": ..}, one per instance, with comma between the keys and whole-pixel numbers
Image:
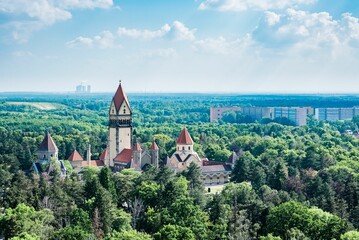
[
  {"x": 113, "y": 111},
  {"x": 124, "y": 111},
  {"x": 51, "y": 155},
  {"x": 44, "y": 156},
  {"x": 189, "y": 148}
]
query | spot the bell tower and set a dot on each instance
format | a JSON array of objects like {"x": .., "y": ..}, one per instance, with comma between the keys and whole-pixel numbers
[{"x": 119, "y": 125}]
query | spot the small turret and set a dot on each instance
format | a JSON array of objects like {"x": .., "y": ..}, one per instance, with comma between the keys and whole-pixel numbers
[{"x": 154, "y": 154}]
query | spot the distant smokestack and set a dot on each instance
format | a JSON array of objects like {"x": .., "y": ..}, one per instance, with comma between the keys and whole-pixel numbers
[{"x": 88, "y": 158}]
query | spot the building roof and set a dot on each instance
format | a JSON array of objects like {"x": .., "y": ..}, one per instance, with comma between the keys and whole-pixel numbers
[
  {"x": 119, "y": 97},
  {"x": 216, "y": 168},
  {"x": 232, "y": 158},
  {"x": 48, "y": 144},
  {"x": 103, "y": 155},
  {"x": 185, "y": 138},
  {"x": 95, "y": 163},
  {"x": 124, "y": 156},
  {"x": 137, "y": 147},
  {"x": 154, "y": 146},
  {"x": 75, "y": 156}
]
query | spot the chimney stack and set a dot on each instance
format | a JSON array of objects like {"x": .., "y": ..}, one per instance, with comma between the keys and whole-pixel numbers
[{"x": 88, "y": 158}]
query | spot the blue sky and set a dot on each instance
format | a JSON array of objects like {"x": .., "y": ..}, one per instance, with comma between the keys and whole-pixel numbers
[{"x": 241, "y": 46}]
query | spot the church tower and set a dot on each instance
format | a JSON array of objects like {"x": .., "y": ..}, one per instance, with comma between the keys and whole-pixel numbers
[{"x": 120, "y": 125}]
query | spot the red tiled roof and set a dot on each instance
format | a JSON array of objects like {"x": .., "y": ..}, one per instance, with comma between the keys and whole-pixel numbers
[
  {"x": 75, "y": 156},
  {"x": 103, "y": 155},
  {"x": 124, "y": 156},
  {"x": 185, "y": 138},
  {"x": 154, "y": 146},
  {"x": 137, "y": 147},
  {"x": 119, "y": 97},
  {"x": 48, "y": 144},
  {"x": 95, "y": 163}
]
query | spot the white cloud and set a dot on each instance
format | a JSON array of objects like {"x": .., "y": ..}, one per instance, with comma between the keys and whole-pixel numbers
[
  {"x": 80, "y": 42},
  {"x": 42, "y": 13},
  {"x": 300, "y": 27},
  {"x": 242, "y": 5},
  {"x": 272, "y": 18},
  {"x": 176, "y": 31},
  {"x": 218, "y": 45},
  {"x": 103, "y": 40},
  {"x": 143, "y": 34}
]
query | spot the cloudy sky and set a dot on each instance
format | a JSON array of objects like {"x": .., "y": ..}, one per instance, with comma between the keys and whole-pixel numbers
[{"x": 236, "y": 46}]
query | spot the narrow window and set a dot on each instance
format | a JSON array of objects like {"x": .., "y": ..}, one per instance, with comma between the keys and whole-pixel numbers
[
  {"x": 124, "y": 111},
  {"x": 182, "y": 148},
  {"x": 44, "y": 156},
  {"x": 189, "y": 148}
]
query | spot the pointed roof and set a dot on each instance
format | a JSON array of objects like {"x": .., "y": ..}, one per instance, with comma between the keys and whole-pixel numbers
[
  {"x": 119, "y": 97},
  {"x": 185, "y": 138},
  {"x": 48, "y": 144},
  {"x": 75, "y": 156},
  {"x": 154, "y": 146},
  {"x": 232, "y": 158},
  {"x": 125, "y": 156},
  {"x": 103, "y": 155},
  {"x": 137, "y": 147}
]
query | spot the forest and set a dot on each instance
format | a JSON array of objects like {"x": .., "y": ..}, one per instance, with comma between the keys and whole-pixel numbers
[{"x": 289, "y": 183}]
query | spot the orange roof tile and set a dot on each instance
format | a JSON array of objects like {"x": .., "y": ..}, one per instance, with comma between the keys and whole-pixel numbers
[
  {"x": 137, "y": 147},
  {"x": 185, "y": 138},
  {"x": 119, "y": 97},
  {"x": 103, "y": 155},
  {"x": 124, "y": 156},
  {"x": 75, "y": 156},
  {"x": 154, "y": 146},
  {"x": 95, "y": 163}
]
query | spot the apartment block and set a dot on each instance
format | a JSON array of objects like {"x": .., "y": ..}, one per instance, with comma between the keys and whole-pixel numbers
[
  {"x": 216, "y": 113},
  {"x": 334, "y": 114}
]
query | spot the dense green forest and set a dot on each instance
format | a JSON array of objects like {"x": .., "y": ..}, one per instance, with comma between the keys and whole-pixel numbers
[{"x": 288, "y": 182}]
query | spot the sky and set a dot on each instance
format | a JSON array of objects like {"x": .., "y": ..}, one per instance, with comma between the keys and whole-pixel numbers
[{"x": 227, "y": 46}]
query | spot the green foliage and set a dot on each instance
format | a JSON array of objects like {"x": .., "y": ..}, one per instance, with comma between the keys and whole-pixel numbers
[
  {"x": 351, "y": 235},
  {"x": 174, "y": 232},
  {"x": 71, "y": 233},
  {"x": 313, "y": 222},
  {"x": 314, "y": 164},
  {"x": 24, "y": 219},
  {"x": 128, "y": 235}
]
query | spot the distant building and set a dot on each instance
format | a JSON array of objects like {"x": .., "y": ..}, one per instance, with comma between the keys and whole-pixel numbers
[
  {"x": 47, "y": 158},
  {"x": 334, "y": 114},
  {"x": 83, "y": 88},
  {"x": 213, "y": 173},
  {"x": 258, "y": 113},
  {"x": 216, "y": 113},
  {"x": 298, "y": 115}
]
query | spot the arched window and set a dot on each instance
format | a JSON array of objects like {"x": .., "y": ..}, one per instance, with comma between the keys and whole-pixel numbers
[{"x": 182, "y": 148}]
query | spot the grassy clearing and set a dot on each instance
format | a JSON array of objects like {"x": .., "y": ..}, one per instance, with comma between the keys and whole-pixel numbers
[{"x": 39, "y": 105}]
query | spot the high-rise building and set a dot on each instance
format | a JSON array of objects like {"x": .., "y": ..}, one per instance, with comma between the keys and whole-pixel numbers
[
  {"x": 258, "y": 113},
  {"x": 216, "y": 113},
  {"x": 334, "y": 114},
  {"x": 298, "y": 115},
  {"x": 83, "y": 88}
]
